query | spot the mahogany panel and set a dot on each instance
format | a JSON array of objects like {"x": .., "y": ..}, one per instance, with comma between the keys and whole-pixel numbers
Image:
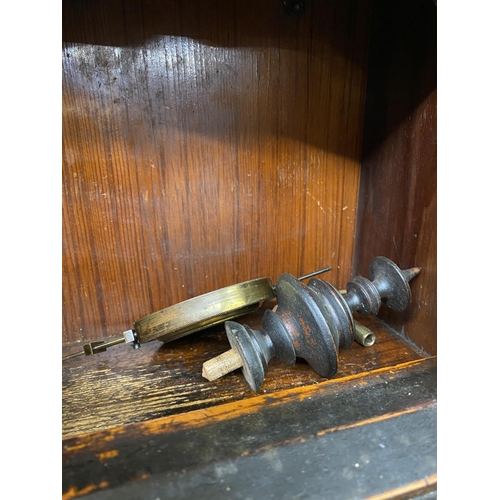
[
  {"x": 205, "y": 143},
  {"x": 398, "y": 200}
]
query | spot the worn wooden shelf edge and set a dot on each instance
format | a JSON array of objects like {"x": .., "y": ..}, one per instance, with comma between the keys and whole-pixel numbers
[{"x": 382, "y": 413}]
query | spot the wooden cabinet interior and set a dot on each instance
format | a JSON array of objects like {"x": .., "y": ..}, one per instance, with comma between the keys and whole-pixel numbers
[{"x": 206, "y": 143}]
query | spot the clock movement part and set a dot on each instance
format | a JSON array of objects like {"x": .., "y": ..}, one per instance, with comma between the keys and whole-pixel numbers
[{"x": 311, "y": 322}]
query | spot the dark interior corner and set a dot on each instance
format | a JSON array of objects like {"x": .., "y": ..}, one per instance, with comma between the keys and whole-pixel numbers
[{"x": 397, "y": 204}]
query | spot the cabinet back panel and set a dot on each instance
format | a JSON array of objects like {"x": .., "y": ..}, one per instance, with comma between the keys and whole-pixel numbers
[{"x": 205, "y": 144}]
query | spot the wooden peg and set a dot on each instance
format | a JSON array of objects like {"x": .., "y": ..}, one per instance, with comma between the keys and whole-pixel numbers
[{"x": 221, "y": 365}]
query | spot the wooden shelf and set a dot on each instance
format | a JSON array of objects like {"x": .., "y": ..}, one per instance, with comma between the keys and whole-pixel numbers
[
  {"x": 124, "y": 409},
  {"x": 122, "y": 386}
]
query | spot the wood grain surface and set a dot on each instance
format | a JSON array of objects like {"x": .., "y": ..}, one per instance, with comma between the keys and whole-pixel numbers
[
  {"x": 374, "y": 433},
  {"x": 123, "y": 385},
  {"x": 398, "y": 197},
  {"x": 205, "y": 143}
]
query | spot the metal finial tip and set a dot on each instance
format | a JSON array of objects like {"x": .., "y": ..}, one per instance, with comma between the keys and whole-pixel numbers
[{"x": 409, "y": 274}]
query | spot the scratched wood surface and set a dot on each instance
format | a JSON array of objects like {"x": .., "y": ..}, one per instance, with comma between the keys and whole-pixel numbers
[
  {"x": 367, "y": 435},
  {"x": 205, "y": 143},
  {"x": 398, "y": 197},
  {"x": 123, "y": 385}
]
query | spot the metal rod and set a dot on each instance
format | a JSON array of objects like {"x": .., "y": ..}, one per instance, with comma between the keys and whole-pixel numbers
[
  {"x": 103, "y": 347},
  {"x": 95, "y": 348},
  {"x": 315, "y": 273},
  {"x": 74, "y": 355}
]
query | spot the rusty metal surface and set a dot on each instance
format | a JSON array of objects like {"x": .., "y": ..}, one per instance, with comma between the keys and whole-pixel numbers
[{"x": 313, "y": 321}]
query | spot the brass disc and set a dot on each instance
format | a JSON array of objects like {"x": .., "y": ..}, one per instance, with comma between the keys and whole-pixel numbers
[{"x": 203, "y": 311}]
